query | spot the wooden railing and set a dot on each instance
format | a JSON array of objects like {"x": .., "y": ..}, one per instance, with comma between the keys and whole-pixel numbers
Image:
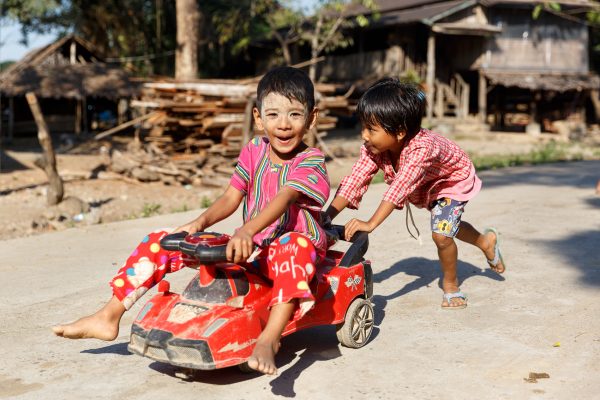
[{"x": 451, "y": 98}]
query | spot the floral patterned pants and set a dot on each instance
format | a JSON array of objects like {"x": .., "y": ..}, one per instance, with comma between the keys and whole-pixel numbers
[
  {"x": 288, "y": 262},
  {"x": 446, "y": 215}
]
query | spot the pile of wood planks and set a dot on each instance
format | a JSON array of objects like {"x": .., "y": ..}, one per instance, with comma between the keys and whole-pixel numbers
[{"x": 194, "y": 131}]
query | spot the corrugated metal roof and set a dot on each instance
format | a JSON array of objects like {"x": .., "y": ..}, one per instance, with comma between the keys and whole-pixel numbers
[
  {"x": 541, "y": 81},
  {"x": 408, "y": 11}
]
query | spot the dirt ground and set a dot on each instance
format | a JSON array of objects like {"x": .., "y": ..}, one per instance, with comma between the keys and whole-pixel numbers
[
  {"x": 540, "y": 319},
  {"x": 24, "y": 212}
]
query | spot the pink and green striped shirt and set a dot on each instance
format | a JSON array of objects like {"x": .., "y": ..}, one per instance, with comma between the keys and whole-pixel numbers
[{"x": 260, "y": 180}]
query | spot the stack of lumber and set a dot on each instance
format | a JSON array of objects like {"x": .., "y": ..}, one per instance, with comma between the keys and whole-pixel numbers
[
  {"x": 202, "y": 125},
  {"x": 145, "y": 162},
  {"x": 194, "y": 116}
]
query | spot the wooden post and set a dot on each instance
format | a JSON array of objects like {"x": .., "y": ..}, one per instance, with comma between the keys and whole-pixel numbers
[
  {"x": 247, "y": 126},
  {"x": 48, "y": 162},
  {"x": 430, "y": 74},
  {"x": 482, "y": 97},
  {"x": 78, "y": 108},
  {"x": 11, "y": 118},
  {"x": 84, "y": 119},
  {"x": 122, "y": 110}
]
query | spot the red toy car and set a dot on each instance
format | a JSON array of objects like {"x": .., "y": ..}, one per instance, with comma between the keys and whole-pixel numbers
[{"x": 215, "y": 322}]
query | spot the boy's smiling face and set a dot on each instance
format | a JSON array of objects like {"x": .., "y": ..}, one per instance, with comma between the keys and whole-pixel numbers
[
  {"x": 378, "y": 141},
  {"x": 285, "y": 122}
]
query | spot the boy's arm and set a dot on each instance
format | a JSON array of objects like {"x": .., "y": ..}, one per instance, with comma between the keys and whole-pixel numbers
[
  {"x": 337, "y": 206},
  {"x": 383, "y": 211},
  {"x": 355, "y": 185},
  {"x": 241, "y": 245},
  {"x": 222, "y": 208}
]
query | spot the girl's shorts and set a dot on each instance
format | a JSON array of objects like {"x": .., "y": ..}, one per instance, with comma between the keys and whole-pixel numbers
[{"x": 445, "y": 216}]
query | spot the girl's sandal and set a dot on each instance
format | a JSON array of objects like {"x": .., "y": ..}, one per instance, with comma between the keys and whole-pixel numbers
[{"x": 449, "y": 296}]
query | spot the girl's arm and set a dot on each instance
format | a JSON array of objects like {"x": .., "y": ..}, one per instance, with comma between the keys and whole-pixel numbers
[
  {"x": 241, "y": 245},
  {"x": 383, "y": 211},
  {"x": 222, "y": 208}
]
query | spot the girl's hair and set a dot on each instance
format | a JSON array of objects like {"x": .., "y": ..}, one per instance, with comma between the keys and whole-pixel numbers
[
  {"x": 393, "y": 105},
  {"x": 289, "y": 82}
]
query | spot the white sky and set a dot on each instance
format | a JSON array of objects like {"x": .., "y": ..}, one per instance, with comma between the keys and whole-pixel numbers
[{"x": 10, "y": 36}]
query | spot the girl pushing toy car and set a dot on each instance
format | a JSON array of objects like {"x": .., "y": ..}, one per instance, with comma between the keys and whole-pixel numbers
[
  {"x": 420, "y": 167},
  {"x": 283, "y": 184}
]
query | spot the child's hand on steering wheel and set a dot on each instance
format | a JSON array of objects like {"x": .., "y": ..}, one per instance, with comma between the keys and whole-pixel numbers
[
  {"x": 196, "y": 225},
  {"x": 240, "y": 246}
]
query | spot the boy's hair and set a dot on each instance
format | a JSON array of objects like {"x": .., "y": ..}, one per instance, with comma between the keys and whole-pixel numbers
[
  {"x": 290, "y": 82},
  {"x": 394, "y": 105}
]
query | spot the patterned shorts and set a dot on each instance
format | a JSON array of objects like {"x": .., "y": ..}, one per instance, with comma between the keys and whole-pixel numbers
[{"x": 445, "y": 216}]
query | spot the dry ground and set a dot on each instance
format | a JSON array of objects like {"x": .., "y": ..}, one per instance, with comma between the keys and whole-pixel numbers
[
  {"x": 23, "y": 186},
  {"x": 541, "y": 317}
]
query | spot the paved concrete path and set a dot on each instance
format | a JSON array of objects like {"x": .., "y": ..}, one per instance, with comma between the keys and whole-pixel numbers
[{"x": 549, "y": 218}]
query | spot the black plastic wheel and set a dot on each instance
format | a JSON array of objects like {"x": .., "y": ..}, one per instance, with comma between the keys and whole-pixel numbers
[
  {"x": 245, "y": 368},
  {"x": 357, "y": 327}
]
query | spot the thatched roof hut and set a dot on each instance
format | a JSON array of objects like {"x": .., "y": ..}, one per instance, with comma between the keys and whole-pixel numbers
[
  {"x": 71, "y": 80},
  {"x": 67, "y": 68}
]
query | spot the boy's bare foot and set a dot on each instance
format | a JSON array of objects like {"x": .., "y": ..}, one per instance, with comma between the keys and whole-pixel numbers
[
  {"x": 490, "y": 254},
  {"x": 90, "y": 327},
  {"x": 263, "y": 357}
]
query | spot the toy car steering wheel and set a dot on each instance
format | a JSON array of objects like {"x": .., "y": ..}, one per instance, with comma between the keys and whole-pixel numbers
[{"x": 208, "y": 247}]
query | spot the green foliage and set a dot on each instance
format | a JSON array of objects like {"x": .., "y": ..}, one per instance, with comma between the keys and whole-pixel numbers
[
  {"x": 182, "y": 208},
  {"x": 5, "y": 64},
  {"x": 550, "y": 152},
  {"x": 150, "y": 209},
  {"x": 547, "y": 5},
  {"x": 205, "y": 202},
  {"x": 141, "y": 34},
  {"x": 411, "y": 76},
  {"x": 378, "y": 178}
]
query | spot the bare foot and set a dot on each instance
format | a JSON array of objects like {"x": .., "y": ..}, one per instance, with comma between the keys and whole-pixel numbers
[
  {"x": 489, "y": 252},
  {"x": 263, "y": 357},
  {"x": 103, "y": 324},
  {"x": 91, "y": 327}
]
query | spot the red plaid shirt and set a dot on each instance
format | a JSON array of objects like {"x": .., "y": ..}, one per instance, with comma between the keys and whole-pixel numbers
[{"x": 430, "y": 167}]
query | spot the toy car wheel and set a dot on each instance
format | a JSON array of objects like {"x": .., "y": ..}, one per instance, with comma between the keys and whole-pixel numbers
[
  {"x": 245, "y": 368},
  {"x": 357, "y": 327}
]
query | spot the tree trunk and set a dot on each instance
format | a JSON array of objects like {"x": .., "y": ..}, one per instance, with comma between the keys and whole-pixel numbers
[
  {"x": 48, "y": 162},
  {"x": 188, "y": 37},
  {"x": 314, "y": 49}
]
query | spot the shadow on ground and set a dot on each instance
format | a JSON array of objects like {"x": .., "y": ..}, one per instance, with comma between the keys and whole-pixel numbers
[
  {"x": 9, "y": 164},
  {"x": 117, "y": 348},
  {"x": 301, "y": 350},
  {"x": 580, "y": 250},
  {"x": 426, "y": 272}
]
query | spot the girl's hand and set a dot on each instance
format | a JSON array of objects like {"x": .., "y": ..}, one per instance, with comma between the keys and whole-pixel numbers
[
  {"x": 240, "y": 246},
  {"x": 196, "y": 225},
  {"x": 355, "y": 225}
]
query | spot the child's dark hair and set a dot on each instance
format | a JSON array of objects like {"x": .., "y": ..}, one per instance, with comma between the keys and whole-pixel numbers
[
  {"x": 394, "y": 105},
  {"x": 290, "y": 82}
]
